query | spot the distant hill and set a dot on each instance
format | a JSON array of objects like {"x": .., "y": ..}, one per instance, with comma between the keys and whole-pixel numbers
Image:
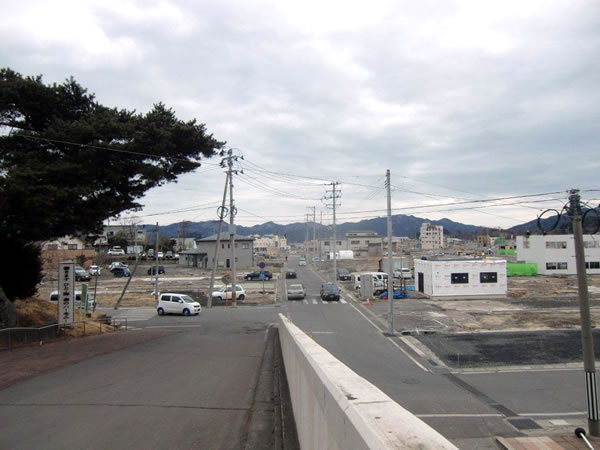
[{"x": 403, "y": 225}]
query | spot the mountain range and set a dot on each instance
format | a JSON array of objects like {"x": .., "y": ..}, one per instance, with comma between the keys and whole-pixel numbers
[{"x": 403, "y": 225}]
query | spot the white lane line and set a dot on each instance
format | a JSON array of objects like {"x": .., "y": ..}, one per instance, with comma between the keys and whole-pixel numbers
[
  {"x": 314, "y": 301},
  {"x": 413, "y": 346},
  {"x": 322, "y": 332},
  {"x": 304, "y": 301},
  {"x": 392, "y": 341},
  {"x": 325, "y": 303},
  {"x": 460, "y": 415},
  {"x": 582, "y": 413},
  {"x": 342, "y": 300},
  {"x": 174, "y": 326}
]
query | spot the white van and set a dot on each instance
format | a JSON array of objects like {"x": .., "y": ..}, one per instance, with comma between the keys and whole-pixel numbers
[
  {"x": 378, "y": 283},
  {"x": 170, "y": 303},
  {"x": 405, "y": 272}
]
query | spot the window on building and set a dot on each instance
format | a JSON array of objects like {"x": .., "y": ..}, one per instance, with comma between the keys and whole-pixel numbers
[
  {"x": 590, "y": 244},
  {"x": 355, "y": 242},
  {"x": 562, "y": 266},
  {"x": 326, "y": 243},
  {"x": 557, "y": 266},
  {"x": 550, "y": 266},
  {"x": 72, "y": 246},
  {"x": 340, "y": 242},
  {"x": 459, "y": 278},
  {"x": 550, "y": 244},
  {"x": 245, "y": 246},
  {"x": 222, "y": 245},
  {"x": 488, "y": 277},
  {"x": 52, "y": 246},
  {"x": 592, "y": 265}
]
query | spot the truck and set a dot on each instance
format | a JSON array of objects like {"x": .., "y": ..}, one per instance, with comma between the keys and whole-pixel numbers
[{"x": 342, "y": 254}]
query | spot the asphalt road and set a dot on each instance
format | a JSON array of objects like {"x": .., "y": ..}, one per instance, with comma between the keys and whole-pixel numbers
[
  {"x": 468, "y": 408},
  {"x": 194, "y": 388}
]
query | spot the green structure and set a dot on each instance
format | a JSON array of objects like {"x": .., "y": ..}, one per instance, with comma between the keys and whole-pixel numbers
[
  {"x": 521, "y": 270},
  {"x": 508, "y": 251}
]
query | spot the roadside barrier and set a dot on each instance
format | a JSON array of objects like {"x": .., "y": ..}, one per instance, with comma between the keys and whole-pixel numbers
[
  {"x": 12, "y": 338},
  {"x": 335, "y": 408}
]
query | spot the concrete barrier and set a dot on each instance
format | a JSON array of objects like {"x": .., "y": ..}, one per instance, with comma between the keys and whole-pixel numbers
[{"x": 334, "y": 408}]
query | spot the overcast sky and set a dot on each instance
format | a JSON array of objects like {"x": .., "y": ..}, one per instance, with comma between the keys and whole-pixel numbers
[{"x": 459, "y": 99}]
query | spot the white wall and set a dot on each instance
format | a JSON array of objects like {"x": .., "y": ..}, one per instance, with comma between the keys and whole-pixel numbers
[
  {"x": 334, "y": 408},
  {"x": 539, "y": 253},
  {"x": 437, "y": 277}
]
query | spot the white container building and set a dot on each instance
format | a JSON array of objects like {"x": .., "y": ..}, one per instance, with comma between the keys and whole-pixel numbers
[{"x": 437, "y": 278}]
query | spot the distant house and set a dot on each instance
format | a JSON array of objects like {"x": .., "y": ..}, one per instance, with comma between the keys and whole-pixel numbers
[
  {"x": 64, "y": 243},
  {"x": 460, "y": 277},
  {"x": 365, "y": 243},
  {"x": 202, "y": 255},
  {"x": 555, "y": 254}
]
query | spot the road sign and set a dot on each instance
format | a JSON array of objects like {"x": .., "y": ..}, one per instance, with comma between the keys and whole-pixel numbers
[
  {"x": 66, "y": 292},
  {"x": 226, "y": 278},
  {"x": 261, "y": 264}
]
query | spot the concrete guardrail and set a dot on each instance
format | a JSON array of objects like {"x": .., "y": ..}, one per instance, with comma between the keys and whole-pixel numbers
[{"x": 334, "y": 408}]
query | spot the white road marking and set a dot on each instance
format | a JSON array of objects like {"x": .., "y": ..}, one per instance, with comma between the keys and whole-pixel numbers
[
  {"x": 460, "y": 415},
  {"x": 174, "y": 326},
  {"x": 392, "y": 341},
  {"x": 305, "y": 302},
  {"x": 322, "y": 332},
  {"x": 314, "y": 301},
  {"x": 413, "y": 346},
  {"x": 582, "y": 413},
  {"x": 342, "y": 300}
]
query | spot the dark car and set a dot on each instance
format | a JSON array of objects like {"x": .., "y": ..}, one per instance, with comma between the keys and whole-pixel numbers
[
  {"x": 329, "y": 291},
  {"x": 81, "y": 274},
  {"x": 256, "y": 275},
  {"x": 152, "y": 270},
  {"x": 121, "y": 272},
  {"x": 290, "y": 274},
  {"x": 344, "y": 275}
]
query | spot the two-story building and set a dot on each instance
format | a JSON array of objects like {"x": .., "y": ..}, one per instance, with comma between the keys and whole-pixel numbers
[
  {"x": 203, "y": 255},
  {"x": 365, "y": 243},
  {"x": 555, "y": 254}
]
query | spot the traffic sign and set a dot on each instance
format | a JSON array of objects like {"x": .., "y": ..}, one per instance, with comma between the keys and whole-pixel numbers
[{"x": 261, "y": 264}]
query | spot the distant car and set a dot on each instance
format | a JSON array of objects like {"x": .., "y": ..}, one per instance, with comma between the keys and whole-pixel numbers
[
  {"x": 344, "y": 275},
  {"x": 169, "y": 255},
  {"x": 95, "y": 270},
  {"x": 290, "y": 274},
  {"x": 159, "y": 255},
  {"x": 316, "y": 259},
  {"x": 223, "y": 294},
  {"x": 116, "y": 251},
  {"x": 152, "y": 270},
  {"x": 405, "y": 272},
  {"x": 81, "y": 274},
  {"x": 114, "y": 265},
  {"x": 256, "y": 275},
  {"x": 169, "y": 303},
  {"x": 329, "y": 291},
  {"x": 53, "y": 297},
  {"x": 296, "y": 291},
  {"x": 302, "y": 262},
  {"x": 121, "y": 272}
]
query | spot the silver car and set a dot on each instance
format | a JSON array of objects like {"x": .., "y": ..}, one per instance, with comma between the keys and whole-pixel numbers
[{"x": 296, "y": 291}]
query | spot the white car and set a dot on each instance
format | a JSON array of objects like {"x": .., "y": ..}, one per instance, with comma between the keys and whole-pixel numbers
[
  {"x": 240, "y": 293},
  {"x": 53, "y": 297},
  {"x": 160, "y": 255},
  {"x": 116, "y": 252},
  {"x": 95, "y": 270},
  {"x": 170, "y": 303},
  {"x": 302, "y": 262},
  {"x": 296, "y": 291}
]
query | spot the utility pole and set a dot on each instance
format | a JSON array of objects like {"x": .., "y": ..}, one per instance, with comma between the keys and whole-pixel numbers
[
  {"x": 232, "y": 212},
  {"x": 587, "y": 339},
  {"x": 314, "y": 241},
  {"x": 334, "y": 197},
  {"x": 222, "y": 212},
  {"x": 306, "y": 236},
  {"x": 390, "y": 268},
  {"x": 156, "y": 266},
  {"x": 321, "y": 228}
]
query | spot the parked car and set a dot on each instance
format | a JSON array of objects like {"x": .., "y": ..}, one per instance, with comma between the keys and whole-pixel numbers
[
  {"x": 116, "y": 251},
  {"x": 152, "y": 270},
  {"x": 115, "y": 265},
  {"x": 316, "y": 259},
  {"x": 160, "y": 255},
  {"x": 81, "y": 274},
  {"x": 223, "y": 294},
  {"x": 296, "y": 291},
  {"x": 344, "y": 274},
  {"x": 95, "y": 270},
  {"x": 53, "y": 297},
  {"x": 290, "y": 274},
  {"x": 121, "y": 272},
  {"x": 329, "y": 291},
  {"x": 169, "y": 255},
  {"x": 256, "y": 275},
  {"x": 405, "y": 272},
  {"x": 169, "y": 303},
  {"x": 302, "y": 262}
]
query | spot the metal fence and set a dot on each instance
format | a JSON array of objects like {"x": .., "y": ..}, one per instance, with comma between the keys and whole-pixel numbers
[{"x": 11, "y": 338}]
